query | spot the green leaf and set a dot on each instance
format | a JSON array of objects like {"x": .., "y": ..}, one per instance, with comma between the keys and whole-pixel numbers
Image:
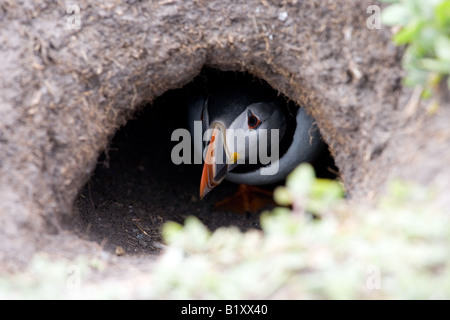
[
  {"x": 197, "y": 231},
  {"x": 282, "y": 196},
  {"x": 426, "y": 93},
  {"x": 325, "y": 189},
  {"x": 280, "y": 222},
  {"x": 442, "y": 48},
  {"x": 170, "y": 230},
  {"x": 425, "y": 42},
  {"x": 416, "y": 75},
  {"x": 325, "y": 193},
  {"x": 421, "y": 8},
  {"x": 434, "y": 79},
  {"x": 396, "y": 14},
  {"x": 300, "y": 181},
  {"x": 435, "y": 65},
  {"x": 442, "y": 14},
  {"x": 408, "y": 33},
  {"x": 426, "y": 31}
]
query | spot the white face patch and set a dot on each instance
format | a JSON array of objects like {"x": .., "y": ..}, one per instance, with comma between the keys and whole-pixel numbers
[{"x": 248, "y": 142}]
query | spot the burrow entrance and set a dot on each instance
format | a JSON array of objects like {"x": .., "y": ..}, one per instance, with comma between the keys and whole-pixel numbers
[{"x": 136, "y": 188}]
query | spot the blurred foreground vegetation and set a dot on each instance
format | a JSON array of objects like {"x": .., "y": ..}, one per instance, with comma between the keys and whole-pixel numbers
[
  {"x": 425, "y": 29},
  {"x": 399, "y": 249}
]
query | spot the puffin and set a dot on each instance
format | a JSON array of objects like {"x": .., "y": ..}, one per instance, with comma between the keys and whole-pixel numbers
[{"x": 251, "y": 134}]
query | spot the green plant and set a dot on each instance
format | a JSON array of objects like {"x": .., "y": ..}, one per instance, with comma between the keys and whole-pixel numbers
[
  {"x": 425, "y": 28},
  {"x": 306, "y": 193},
  {"x": 399, "y": 249}
]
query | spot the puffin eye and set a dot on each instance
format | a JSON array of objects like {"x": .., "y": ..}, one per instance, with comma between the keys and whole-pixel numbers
[{"x": 253, "y": 121}]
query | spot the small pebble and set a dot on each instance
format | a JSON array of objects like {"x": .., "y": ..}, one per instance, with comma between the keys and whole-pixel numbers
[
  {"x": 282, "y": 16},
  {"x": 120, "y": 251},
  {"x": 143, "y": 243}
]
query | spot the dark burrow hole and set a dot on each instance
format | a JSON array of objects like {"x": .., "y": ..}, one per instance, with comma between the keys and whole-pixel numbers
[{"x": 136, "y": 188}]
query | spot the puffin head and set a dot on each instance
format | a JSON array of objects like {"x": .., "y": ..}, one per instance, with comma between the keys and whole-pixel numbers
[{"x": 235, "y": 123}]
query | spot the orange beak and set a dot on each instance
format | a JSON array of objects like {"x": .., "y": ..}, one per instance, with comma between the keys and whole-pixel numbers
[{"x": 215, "y": 167}]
